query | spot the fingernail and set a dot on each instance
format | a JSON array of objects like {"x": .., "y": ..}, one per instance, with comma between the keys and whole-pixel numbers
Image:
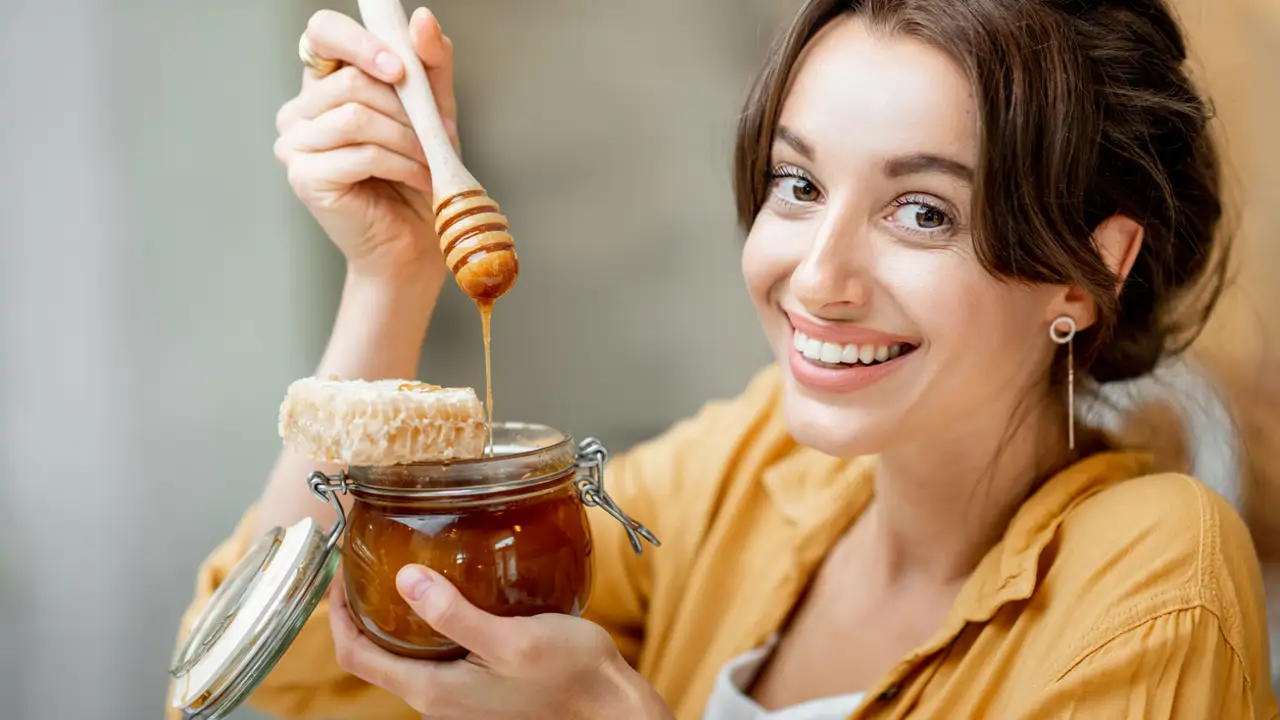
[
  {"x": 387, "y": 63},
  {"x": 413, "y": 582}
]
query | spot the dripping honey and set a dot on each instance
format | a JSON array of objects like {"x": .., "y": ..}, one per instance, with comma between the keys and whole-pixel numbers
[{"x": 486, "y": 314}]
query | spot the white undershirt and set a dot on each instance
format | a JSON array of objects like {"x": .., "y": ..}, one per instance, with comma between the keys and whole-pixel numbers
[{"x": 729, "y": 699}]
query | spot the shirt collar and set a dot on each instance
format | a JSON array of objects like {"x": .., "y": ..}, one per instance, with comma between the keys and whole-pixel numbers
[
  {"x": 1010, "y": 570},
  {"x": 821, "y": 495}
]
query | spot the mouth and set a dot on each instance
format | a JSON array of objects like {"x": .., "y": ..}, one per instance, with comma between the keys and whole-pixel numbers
[
  {"x": 836, "y": 356},
  {"x": 825, "y": 365}
]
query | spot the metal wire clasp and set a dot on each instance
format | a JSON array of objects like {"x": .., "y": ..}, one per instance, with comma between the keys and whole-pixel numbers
[
  {"x": 327, "y": 487},
  {"x": 592, "y": 457}
]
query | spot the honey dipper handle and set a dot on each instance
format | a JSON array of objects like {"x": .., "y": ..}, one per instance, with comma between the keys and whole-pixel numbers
[{"x": 387, "y": 21}]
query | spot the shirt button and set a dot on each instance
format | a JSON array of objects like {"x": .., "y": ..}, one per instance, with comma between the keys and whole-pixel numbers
[{"x": 890, "y": 693}]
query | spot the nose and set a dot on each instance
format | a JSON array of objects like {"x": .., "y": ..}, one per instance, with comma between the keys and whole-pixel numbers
[{"x": 833, "y": 279}]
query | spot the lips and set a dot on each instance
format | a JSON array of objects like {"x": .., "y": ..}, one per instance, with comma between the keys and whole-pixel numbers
[
  {"x": 843, "y": 358},
  {"x": 845, "y": 333}
]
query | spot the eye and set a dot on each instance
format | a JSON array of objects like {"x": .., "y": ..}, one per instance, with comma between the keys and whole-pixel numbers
[
  {"x": 792, "y": 185},
  {"x": 920, "y": 215},
  {"x": 799, "y": 189}
]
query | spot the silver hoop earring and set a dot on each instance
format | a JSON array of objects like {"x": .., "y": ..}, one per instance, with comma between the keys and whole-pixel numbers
[{"x": 1064, "y": 337}]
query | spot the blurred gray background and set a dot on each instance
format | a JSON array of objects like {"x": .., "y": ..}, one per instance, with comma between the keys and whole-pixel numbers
[{"x": 161, "y": 286}]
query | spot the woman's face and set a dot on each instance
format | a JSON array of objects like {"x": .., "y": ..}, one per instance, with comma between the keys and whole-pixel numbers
[{"x": 861, "y": 265}]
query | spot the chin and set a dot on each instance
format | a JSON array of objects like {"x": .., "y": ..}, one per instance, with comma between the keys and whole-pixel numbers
[{"x": 830, "y": 428}]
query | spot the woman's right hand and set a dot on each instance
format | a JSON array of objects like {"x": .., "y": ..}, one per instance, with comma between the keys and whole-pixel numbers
[{"x": 351, "y": 152}]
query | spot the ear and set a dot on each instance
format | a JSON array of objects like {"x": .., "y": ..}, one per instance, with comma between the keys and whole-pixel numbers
[{"x": 1118, "y": 239}]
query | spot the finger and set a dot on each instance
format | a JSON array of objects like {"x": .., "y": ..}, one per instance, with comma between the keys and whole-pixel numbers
[
  {"x": 429, "y": 687},
  {"x": 338, "y": 37},
  {"x": 347, "y": 85},
  {"x": 492, "y": 638},
  {"x": 436, "y": 52},
  {"x": 313, "y": 174},
  {"x": 356, "y": 124}
]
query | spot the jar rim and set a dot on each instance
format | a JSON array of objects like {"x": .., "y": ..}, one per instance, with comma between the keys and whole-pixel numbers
[{"x": 527, "y": 454}]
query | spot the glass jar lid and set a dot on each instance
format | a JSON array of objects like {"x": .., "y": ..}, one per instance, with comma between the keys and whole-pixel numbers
[
  {"x": 255, "y": 614},
  {"x": 520, "y": 455}
]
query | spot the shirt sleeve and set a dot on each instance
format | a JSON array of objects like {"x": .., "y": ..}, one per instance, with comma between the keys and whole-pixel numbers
[{"x": 1177, "y": 666}]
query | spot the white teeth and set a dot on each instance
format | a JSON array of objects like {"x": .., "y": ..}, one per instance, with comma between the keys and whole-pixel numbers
[
  {"x": 813, "y": 349},
  {"x": 850, "y": 354}
]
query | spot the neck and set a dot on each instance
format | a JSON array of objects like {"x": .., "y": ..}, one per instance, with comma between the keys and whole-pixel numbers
[{"x": 941, "y": 505}]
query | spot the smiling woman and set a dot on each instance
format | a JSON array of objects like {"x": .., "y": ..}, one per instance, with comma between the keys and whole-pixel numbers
[{"x": 954, "y": 208}]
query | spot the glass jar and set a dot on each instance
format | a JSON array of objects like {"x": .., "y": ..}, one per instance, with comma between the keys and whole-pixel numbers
[{"x": 509, "y": 530}]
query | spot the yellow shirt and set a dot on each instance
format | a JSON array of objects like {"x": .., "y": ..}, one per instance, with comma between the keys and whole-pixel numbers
[{"x": 1114, "y": 593}]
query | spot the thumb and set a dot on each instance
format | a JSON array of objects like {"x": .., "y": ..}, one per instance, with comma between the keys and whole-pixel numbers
[{"x": 436, "y": 600}]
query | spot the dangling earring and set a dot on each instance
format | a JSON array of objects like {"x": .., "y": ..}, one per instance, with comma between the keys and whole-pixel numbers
[{"x": 1064, "y": 337}]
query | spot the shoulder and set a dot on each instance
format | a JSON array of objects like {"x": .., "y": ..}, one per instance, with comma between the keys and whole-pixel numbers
[
  {"x": 1152, "y": 546},
  {"x": 675, "y": 480},
  {"x": 696, "y": 449},
  {"x": 1173, "y": 531}
]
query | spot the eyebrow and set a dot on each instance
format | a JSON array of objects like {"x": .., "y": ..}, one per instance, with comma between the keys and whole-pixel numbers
[
  {"x": 924, "y": 163},
  {"x": 894, "y": 167},
  {"x": 795, "y": 142}
]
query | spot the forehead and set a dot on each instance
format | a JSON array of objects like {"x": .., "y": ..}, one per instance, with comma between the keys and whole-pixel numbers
[{"x": 865, "y": 91}]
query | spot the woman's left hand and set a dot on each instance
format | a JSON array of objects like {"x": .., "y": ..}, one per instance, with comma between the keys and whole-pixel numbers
[{"x": 548, "y": 666}]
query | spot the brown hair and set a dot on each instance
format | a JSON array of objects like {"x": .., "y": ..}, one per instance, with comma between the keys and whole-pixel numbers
[{"x": 1086, "y": 111}]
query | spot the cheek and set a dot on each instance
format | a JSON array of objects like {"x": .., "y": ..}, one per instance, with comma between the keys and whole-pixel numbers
[
  {"x": 959, "y": 308},
  {"x": 938, "y": 290},
  {"x": 974, "y": 323},
  {"x": 768, "y": 259}
]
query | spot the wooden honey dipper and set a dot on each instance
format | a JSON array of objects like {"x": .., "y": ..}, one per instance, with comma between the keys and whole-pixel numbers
[{"x": 474, "y": 236}]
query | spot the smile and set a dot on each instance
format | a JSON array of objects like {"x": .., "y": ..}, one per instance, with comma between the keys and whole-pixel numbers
[
  {"x": 844, "y": 367},
  {"x": 836, "y": 355}
]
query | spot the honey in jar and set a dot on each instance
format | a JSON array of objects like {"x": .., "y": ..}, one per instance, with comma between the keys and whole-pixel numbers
[{"x": 513, "y": 540}]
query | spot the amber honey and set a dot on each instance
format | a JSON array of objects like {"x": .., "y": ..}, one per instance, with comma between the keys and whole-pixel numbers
[{"x": 514, "y": 546}]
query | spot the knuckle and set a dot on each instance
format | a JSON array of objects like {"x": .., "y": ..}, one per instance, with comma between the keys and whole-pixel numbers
[
  {"x": 278, "y": 147},
  {"x": 444, "y": 611},
  {"x": 524, "y": 649},
  {"x": 425, "y": 698},
  {"x": 599, "y": 643},
  {"x": 368, "y": 155},
  {"x": 347, "y": 81},
  {"x": 283, "y": 116},
  {"x": 299, "y": 177},
  {"x": 319, "y": 21},
  {"x": 346, "y": 658},
  {"x": 350, "y": 117}
]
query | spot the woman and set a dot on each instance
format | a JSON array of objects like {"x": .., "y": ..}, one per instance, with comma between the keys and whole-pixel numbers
[{"x": 957, "y": 212}]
